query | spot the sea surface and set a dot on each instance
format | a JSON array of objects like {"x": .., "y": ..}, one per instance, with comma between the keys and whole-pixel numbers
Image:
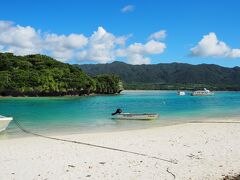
[{"x": 69, "y": 115}]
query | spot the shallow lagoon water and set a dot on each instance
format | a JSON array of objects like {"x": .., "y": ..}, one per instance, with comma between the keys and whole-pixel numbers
[{"x": 67, "y": 115}]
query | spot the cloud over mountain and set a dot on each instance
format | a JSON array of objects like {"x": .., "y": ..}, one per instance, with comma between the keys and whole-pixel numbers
[
  {"x": 210, "y": 46},
  {"x": 101, "y": 46},
  {"x": 18, "y": 39},
  {"x": 136, "y": 52}
]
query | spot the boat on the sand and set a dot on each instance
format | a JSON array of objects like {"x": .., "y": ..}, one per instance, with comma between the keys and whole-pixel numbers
[{"x": 4, "y": 122}]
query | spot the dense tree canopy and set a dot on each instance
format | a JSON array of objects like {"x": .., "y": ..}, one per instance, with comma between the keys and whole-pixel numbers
[
  {"x": 108, "y": 84},
  {"x": 170, "y": 76},
  {"x": 39, "y": 75}
]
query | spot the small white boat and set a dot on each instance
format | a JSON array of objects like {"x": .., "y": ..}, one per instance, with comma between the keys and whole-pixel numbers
[
  {"x": 4, "y": 122},
  {"x": 181, "y": 93},
  {"x": 134, "y": 116},
  {"x": 204, "y": 92}
]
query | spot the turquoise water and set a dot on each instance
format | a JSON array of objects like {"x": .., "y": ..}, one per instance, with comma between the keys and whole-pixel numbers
[{"x": 90, "y": 114}]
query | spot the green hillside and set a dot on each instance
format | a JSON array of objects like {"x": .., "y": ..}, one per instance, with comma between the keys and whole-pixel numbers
[
  {"x": 39, "y": 75},
  {"x": 170, "y": 76}
]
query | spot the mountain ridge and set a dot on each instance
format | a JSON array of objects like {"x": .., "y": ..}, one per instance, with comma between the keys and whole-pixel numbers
[{"x": 170, "y": 75}]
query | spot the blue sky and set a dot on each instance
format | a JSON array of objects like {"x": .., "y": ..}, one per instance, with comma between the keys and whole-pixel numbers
[{"x": 184, "y": 22}]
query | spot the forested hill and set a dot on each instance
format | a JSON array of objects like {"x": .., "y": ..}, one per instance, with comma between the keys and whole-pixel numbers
[
  {"x": 39, "y": 75},
  {"x": 170, "y": 76}
]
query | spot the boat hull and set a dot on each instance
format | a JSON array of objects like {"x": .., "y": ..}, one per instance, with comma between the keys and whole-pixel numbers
[
  {"x": 181, "y": 93},
  {"x": 4, "y": 122},
  {"x": 128, "y": 116},
  {"x": 202, "y": 94}
]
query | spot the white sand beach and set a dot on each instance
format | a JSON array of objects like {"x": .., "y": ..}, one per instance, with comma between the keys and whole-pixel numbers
[{"x": 200, "y": 150}]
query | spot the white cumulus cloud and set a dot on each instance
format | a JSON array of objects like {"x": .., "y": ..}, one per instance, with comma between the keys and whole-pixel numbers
[
  {"x": 26, "y": 40},
  {"x": 210, "y": 46},
  {"x": 64, "y": 47},
  {"x": 158, "y": 35},
  {"x": 234, "y": 53},
  {"x": 127, "y": 8},
  {"x": 18, "y": 39},
  {"x": 135, "y": 53},
  {"x": 138, "y": 59},
  {"x": 68, "y": 42},
  {"x": 151, "y": 47},
  {"x": 101, "y": 46}
]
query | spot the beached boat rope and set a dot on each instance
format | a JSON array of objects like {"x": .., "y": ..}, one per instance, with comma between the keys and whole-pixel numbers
[{"x": 93, "y": 145}]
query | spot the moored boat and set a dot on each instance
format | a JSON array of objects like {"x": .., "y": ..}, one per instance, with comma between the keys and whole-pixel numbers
[
  {"x": 131, "y": 116},
  {"x": 4, "y": 122},
  {"x": 204, "y": 92},
  {"x": 181, "y": 93},
  {"x": 134, "y": 116}
]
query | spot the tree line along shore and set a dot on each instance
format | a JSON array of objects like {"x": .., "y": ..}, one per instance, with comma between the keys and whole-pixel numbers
[
  {"x": 170, "y": 76},
  {"x": 40, "y": 75}
]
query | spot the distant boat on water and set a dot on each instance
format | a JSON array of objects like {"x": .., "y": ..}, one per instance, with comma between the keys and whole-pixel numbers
[
  {"x": 204, "y": 92},
  {"x": 4, "y": 122},
  {"x": 134, "y": 116},
  {"x": 181, "y": 93}
]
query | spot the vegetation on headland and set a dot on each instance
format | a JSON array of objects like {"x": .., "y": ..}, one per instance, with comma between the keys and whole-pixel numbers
[
  {"x": 173, "y": 76},
  {"x": 40, "y": 75}
]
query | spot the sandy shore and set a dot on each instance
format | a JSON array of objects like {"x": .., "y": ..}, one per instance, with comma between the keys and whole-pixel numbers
[{"x": 200, "y": 150}]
